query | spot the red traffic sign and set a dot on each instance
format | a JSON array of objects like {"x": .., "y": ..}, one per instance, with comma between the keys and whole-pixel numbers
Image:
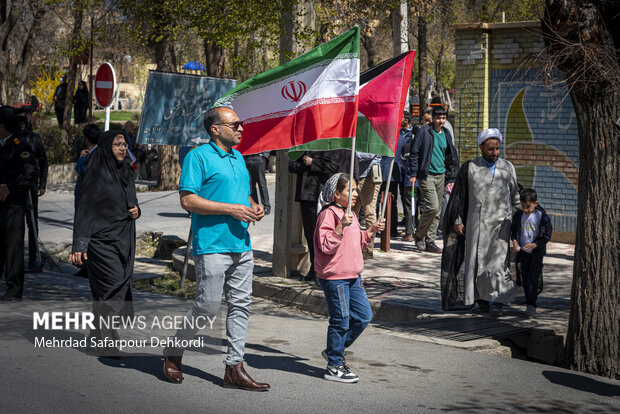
[{"x": 104, "y": 85}]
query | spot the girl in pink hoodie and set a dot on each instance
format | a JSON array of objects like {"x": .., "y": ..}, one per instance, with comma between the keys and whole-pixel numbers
[{"x": 338, "y": 261}]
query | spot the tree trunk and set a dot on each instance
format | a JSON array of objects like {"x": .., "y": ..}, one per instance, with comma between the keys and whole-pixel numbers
[
  {"x": 578, "y": 31},
  {"x": 168, "y": 155},
  {"x": 367, "y": 41},
  {"x": 78, "y": 15},
  {"x": 215, "y": 59},
  {"x": 422, "y": 76},
  {"x": 169, "y": 168},
  {"x": 20, "y": 67},
  {"x": 9, "y": 16}
]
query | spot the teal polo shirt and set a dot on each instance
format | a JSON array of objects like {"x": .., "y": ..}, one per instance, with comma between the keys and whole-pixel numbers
[
  {"x": 216, "y": 175},
  {"x": 438, "y": 158}
]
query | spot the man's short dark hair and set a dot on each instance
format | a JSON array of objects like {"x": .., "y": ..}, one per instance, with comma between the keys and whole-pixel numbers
[
  {"x": 92, "y": 132},
  {"x": 211, "y": 118},
  {"x": 528, "y": 195},
  {"x": 439, "y": 111}
]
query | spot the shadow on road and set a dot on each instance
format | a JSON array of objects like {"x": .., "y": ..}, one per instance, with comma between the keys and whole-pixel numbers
[{"x": 582, "y": 383}]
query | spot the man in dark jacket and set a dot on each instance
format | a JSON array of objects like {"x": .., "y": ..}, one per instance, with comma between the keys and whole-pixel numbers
[
  {"x": 37, "y": 190},
  {"x": 313, "y": 169},
  {"x": 432, "y": 161},
  {"x": 60, "y": 96},
  {"x": 17, "y": 174}
]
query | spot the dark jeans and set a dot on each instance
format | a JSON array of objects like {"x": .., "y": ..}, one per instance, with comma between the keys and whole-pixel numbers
[
  {"x": 256, "y": 166},
  {"x": 531, "y": 268},
  {"x": 12, "y": 246},
  {"x": 308, "y": 217},
  {"x": 349, "y": 314}
]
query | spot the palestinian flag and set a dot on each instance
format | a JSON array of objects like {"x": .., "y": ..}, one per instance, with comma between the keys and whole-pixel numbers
[
  {"x": 382, "y": 97},
  {"x": 309, "y": 98}
]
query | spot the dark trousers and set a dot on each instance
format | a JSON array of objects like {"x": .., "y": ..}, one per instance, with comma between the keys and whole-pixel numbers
[
  {"x": 12, "y": 246},
  {"x": 393, "y": 190},
  {"x": 308, "y": 218},
  {"x": 60, "y": 115},
  {"x": 531, "y": 268},
  {"x": 405, "y": 198},
  {"x": 32, "y": 245},
  {"x": 256, "y": 167}
]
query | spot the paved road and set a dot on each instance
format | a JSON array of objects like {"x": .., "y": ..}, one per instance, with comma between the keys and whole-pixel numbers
[{"x": 397, "y": 373}]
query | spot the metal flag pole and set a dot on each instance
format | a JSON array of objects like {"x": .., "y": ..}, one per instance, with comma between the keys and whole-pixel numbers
[
  {"x": 351, "y": 171},
  {"x": 386, "y": 191}
]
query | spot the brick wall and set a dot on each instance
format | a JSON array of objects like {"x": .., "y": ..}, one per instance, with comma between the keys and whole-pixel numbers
[{"x": 538, "y": 121}]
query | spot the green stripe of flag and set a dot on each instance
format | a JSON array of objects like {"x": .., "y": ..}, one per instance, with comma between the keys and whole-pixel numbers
[{"x": 345, "y": 46}]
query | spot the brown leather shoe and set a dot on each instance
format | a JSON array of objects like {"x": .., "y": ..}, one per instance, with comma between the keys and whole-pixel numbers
[
  {"x": 432, "y": 248},
  {"x": 172, "y": 365},
  {"x": 236, "y": 377}
]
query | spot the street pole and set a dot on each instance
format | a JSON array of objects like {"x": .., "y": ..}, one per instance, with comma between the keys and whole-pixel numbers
[{"x": 90, "y": 77}]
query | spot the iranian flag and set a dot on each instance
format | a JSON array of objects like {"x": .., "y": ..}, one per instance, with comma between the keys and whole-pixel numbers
[
  {"x": 313, "y": 97},
  {"x": 382, "y": 97}
]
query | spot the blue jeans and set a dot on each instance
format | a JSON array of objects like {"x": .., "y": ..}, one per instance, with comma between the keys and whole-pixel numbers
[{"x": 349, "y": 314}]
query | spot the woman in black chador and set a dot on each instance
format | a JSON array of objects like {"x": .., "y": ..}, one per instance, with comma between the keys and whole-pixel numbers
[
  {"x": 104, "y": 233},
  {"x": 81, "y": 101}
]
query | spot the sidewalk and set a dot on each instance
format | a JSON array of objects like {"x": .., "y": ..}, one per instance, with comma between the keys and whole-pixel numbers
[{"x": 404, "y": 289}]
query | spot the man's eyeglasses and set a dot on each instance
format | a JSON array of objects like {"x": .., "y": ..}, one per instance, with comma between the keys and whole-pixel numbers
[
  {"x": 235, "y": 125},
  {"x": 120, "y": 145}
]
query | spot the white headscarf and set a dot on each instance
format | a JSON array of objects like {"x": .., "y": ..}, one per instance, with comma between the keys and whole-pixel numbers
[{"x": 328, "y": 193}]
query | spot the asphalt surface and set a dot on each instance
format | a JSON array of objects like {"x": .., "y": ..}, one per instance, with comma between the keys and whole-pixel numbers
[{"x": 397, "y": 373}]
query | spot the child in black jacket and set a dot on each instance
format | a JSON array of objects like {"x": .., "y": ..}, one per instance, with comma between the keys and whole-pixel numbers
[{"x": 531, "y": 230}]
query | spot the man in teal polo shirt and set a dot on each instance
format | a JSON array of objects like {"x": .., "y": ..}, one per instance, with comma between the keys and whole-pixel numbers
[
  {"x": 215, "y": 188},
  {"x": 432, "y": 160}
]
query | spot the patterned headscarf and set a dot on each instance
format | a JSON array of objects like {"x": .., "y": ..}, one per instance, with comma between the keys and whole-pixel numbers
[{"x": 328, "y": 193}]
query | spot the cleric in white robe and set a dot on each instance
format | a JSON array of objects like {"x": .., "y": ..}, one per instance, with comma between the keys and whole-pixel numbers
[{"x": 475, "y": 262}]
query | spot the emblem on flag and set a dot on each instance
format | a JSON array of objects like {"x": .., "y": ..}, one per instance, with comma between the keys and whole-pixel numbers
[{"x": 294, "y": 91}]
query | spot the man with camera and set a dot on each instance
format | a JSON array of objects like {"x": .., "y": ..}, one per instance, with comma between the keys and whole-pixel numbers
[{"x": 18, "y": 173}]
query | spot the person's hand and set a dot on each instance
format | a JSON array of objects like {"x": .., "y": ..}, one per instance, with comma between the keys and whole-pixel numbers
[
  {"x": 41, "y": 191},
  {"x": 84, "y": 153},
  {"x": 529, "y": 247},
  {"x": 412, "y": 181},
  {"x": 516, "y": 245},
  {"x": 307, "y": 161},
  {"x": 4, "y": 192},
  {"x": 134, "y": 212},
  {"x": 78, "y": 258},
  {"x": 346, "y": 220},
  {"x": 259, "y": 210},
  {"x": 449, "y": 187},
  {"x": 243, "y": 213},
  {"x": 459, "y": 229},
  {"x": 377, "y": 226}
]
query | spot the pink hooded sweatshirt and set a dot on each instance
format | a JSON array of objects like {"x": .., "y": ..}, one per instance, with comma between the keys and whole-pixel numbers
[{"x": 338, "y": 257}]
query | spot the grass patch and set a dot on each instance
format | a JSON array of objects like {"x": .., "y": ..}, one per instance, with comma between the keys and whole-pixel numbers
[
  {"x": 168, "y": 284},
  {"x": 117, "y": 116}
]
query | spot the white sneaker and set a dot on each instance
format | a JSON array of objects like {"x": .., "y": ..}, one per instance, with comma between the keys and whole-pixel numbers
[{"x": 340, "y": 374}]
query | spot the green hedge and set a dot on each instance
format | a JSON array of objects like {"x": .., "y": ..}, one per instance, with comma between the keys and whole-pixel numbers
[{"x": 57, "y": 152}]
